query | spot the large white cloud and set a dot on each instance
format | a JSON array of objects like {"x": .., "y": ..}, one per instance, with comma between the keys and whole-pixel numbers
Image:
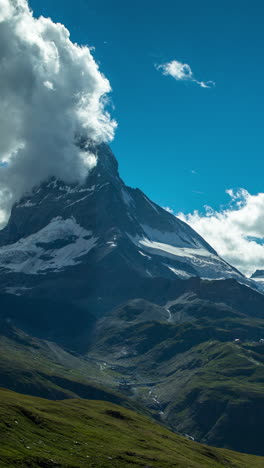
[
  {"x": 236, "y": 232},
  {"x": 182, "y": 72},
  {"x": 51, "y": 93}
]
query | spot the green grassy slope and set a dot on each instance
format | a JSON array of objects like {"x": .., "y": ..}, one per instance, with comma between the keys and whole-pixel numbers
[
  {"x": 41, "y": 368},
  {"x": 215, "y": 392},
  {"x": 81, "y": 433},
  {"x": 190, "y": 370}
]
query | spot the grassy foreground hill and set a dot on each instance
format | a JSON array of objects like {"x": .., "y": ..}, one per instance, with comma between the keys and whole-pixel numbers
[{"x": 82, "y": 433}]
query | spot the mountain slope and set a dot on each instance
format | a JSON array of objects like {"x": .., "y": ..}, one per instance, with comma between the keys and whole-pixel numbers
[
  {"x": 77, "y": 242},
  {"x": 43, "y": 368},
  {"x": 78, "y": 433}
]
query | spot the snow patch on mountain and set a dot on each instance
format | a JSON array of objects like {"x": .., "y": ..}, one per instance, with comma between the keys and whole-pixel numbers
[
  {"x": 28, "y": 204},
  {"x": 178, "y": 238},
  {"x": 77, "y": 201},
  {"x": 56, "y": 246},
  {"x": 180, "y": 273},
  {"x": 203, "y": 262},
  {"x": 259, "y": 280},
  {"x": 168, "y": 249},
  {"x": 144, "y": 255}
]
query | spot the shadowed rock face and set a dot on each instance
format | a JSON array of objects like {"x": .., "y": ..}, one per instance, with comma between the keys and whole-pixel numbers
[
  {"x": 88, "y": 242},
  {"x": 258, "y": 274},
  {"x": 258, "y": 279}
]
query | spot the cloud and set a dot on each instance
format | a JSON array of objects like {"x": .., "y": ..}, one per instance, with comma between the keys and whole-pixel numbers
[
  {"x": 236, "y": 232},
  {"x": 51, "y": 94},
  {"x": 182, "y": 72},
  {"x": 167, "y": 208}
]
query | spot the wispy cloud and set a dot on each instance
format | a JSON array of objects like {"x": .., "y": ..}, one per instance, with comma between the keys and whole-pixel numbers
[
  {"x": 198, "y": 192},
  {"x": 182, "y": 72}
]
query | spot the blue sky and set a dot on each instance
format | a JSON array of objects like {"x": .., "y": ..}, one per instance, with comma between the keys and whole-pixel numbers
[{"x": 182, "y": 144}]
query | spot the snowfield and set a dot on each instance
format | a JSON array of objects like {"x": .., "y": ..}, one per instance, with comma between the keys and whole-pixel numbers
[
  {"x": 179, "y": 251},
  {"x": 56, "y": 246}
]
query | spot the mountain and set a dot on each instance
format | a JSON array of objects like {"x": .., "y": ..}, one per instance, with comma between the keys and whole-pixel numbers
[
  {"x": 105, "y": 295},
  {"x": 94, "y": 243},
  {"x": 258, "y": 278},
  {"x": 258, "y": 274}
]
